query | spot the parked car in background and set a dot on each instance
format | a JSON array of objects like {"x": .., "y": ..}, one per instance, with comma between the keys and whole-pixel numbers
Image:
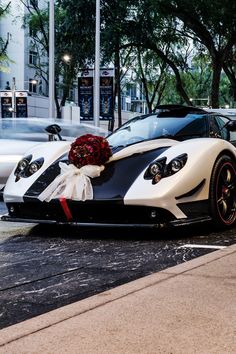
[
  {"x": 17, "y": 135},
  {"x": 173, "y": 167}
]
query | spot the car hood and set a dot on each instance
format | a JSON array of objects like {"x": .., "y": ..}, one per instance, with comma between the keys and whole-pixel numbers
[{"x": 120, "y": 172}]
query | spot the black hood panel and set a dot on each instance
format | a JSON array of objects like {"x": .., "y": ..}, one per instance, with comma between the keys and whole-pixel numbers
[{"x": 119, "y": 175}]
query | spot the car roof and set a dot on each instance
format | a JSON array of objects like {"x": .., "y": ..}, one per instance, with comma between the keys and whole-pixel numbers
[{"x": 175, "y": 110}]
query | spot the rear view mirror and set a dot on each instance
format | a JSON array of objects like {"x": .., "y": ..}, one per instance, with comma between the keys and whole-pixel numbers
[{"x": 53, "y": 129}]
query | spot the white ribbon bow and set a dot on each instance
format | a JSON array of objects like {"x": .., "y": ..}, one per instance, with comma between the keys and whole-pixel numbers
[{"x": 72, "y": 183}]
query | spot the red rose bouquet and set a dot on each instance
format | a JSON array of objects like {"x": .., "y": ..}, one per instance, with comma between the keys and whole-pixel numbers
[{"x": 89, "y": 150}]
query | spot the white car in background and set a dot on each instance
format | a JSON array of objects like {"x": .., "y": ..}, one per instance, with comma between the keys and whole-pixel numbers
[{"x": 17, "y": 135}]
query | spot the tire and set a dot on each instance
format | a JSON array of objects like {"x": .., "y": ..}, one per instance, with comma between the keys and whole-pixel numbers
[{"x": 223, "y": 192}]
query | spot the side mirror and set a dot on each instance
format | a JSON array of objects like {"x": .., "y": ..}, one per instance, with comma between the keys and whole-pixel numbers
[
  {"x": 231, "y": 125},
  {"x": 53, "y": 129}
]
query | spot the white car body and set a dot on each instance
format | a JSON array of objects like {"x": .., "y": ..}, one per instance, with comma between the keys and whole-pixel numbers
[{"x": 161, "y": 195}]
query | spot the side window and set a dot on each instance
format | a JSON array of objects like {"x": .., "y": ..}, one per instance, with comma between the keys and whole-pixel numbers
[
  {"x": 221, "y": 121},
  {"x": 214, "y": 129}
]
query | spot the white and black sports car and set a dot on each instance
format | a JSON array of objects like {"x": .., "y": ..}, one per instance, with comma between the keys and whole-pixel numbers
[{"x": 173, "y": 167}]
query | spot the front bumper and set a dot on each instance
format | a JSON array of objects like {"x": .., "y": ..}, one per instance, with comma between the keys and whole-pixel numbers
[
  {"x": 96, "y": 214},
  {"x": 88, "y": 213}
]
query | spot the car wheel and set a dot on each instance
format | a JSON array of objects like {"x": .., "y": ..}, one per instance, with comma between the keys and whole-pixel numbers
[{"x": 223, "y": 192}]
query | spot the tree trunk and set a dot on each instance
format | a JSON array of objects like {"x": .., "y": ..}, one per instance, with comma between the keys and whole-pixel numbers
[
  {"x": 215, "y": 84},
  {"x": 179, "y": 87},
  {"x": 232, "y": 78}
]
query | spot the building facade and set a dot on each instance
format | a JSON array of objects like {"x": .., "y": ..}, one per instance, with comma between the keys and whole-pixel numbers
[{"x": 21, "y": 74}]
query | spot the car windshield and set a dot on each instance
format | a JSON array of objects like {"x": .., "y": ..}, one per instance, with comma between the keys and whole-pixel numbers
[
  {"x": 33, "y": 129},
  {"x": 154, "y": 127}
]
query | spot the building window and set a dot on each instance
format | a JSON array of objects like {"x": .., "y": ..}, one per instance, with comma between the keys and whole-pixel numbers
[
  {"x": 32, "y": 86},
  {"x": 34, "y": 2},
  {"x": 32, "y": 57},
  {"x": 32, "y": 31}
]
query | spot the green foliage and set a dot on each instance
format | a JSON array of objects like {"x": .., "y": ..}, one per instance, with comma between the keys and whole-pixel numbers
[
  {"x": 183, "y": 45},
  {"x": 4, "y": 60},
  {"x": 74, "y": 36},
  {"x": 209, "y": 22}
]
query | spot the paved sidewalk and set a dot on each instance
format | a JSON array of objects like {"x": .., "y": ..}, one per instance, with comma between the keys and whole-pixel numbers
[
  {"x": 11, "y": 228},
  {"x": 190, "y": 308}
]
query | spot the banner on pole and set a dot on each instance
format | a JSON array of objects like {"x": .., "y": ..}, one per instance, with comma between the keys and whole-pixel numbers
[
  {"x": 106, "y": 94},
  {"x": 85, "y": 94}
]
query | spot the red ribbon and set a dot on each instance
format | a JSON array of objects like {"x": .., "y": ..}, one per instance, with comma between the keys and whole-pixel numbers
[{"x": 66, "y": 209}]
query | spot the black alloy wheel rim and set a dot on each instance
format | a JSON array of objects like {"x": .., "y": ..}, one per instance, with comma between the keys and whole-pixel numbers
[{"x": 226, "y": 193}]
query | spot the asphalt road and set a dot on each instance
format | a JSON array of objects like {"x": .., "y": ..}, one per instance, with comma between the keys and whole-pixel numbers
[{"x": 54, "y": 266}]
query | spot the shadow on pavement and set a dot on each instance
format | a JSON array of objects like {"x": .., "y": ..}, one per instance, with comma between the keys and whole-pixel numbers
[{"x": 67, "y": 231}]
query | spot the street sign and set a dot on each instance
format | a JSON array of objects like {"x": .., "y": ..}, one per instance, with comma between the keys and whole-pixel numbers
[
  {"x": 6, "y": 104},
  {"x": 21, "y": 104},
  {"x": 14, "y": 103}
]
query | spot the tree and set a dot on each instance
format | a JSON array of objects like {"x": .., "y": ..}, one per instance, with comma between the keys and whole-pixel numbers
[
  {"x": 4, "y": 42},
  {"x": 74, "y": 36},
  {"x": 115, "y": 16},
  {"x": 74, "y": 33},
  {"x": 211, "y": 23},
  {"x": 147, "y": 29},
  {"x": 230, "y": 69},
  {"x": 152, "y": 73}
]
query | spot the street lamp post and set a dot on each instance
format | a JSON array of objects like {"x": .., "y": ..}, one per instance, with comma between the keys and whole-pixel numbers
[
  {"x": 51, "y": 61},
  {"x": 13, "y": 89},
  {"x": 96, "y": 106}
]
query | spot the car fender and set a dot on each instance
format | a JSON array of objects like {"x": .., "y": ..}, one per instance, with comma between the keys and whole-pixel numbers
[
  {"x": 50, "y": 151},
  {"x": 202, "y": 154},
  {"x": 10, "y": 153}
]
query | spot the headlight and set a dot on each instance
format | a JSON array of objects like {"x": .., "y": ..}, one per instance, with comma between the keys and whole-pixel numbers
[
  {"x": 33, "y": 167},
  {"x": 26, "y": 168},
  {"x": 176, "y": 164},
  {"x": 22, "y": 164},
  {"x": 159, "y": 169},
  {"x": 155, "y": 168}
]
